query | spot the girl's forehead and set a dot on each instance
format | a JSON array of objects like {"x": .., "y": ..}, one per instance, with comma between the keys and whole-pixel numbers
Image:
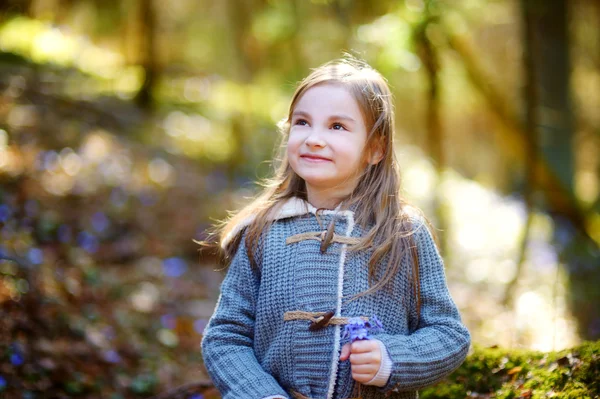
[{"x": 327, "y": 96}]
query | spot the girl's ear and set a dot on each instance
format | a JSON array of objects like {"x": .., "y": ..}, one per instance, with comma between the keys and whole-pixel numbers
[{"x": 376, "y": 153}]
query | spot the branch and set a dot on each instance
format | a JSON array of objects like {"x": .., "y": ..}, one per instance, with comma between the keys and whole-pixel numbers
[{"x": 515, "y": 134}]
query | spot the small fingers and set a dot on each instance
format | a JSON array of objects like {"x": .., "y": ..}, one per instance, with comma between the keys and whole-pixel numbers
[
  {"x": 365, "y": 358},
  {"x": 361, "y": 346},
  {"x": 345, "y": 352},
  {"x": 365, "y": 369}
]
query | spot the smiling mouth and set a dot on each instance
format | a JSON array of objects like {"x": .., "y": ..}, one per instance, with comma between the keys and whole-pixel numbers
[{"x": 314, "y": 159}]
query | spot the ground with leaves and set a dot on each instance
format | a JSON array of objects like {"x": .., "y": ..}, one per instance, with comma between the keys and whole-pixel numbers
[
  {"x": 97, "y": 344},
  {"x": 101, "y": 290},
  {"x": 503, "y": 373}
]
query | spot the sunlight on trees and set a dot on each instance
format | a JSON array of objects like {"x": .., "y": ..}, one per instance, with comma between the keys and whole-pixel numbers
[{"x": 128, "y": 128}]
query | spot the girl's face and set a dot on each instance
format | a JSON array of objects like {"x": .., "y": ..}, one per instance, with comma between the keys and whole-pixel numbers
[{"x": 327, "y": 138}]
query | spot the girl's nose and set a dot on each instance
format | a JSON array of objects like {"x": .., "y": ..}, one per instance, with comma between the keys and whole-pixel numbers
[{"x": 315, "y": 139}]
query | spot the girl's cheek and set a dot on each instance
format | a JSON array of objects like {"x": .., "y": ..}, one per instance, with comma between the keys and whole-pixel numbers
[
  {"x": 291, "y": 151},
  {"x": 293, "y": 142}
]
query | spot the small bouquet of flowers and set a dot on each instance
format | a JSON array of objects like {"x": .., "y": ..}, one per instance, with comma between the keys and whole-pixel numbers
[{"x": 359, "y": 329}]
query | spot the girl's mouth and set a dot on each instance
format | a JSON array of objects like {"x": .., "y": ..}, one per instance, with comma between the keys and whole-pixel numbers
[{"x": 313, "y": 158}]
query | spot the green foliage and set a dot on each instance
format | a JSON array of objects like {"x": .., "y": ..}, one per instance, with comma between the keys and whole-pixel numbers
[{"x": 503, "y": 373}]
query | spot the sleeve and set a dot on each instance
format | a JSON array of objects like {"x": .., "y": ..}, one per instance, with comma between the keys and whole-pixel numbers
[
  {"x": 385, "y": 369},
  {"x": 227, "y": 342},
  {"x": 440, "y": 342}
]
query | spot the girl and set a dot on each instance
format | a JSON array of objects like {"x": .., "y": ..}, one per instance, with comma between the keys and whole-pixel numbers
[{"x": 329, "y": 240}]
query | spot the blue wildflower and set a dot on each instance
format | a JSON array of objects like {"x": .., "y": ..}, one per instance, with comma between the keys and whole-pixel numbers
[
  {"x": 35, "y": 256},
  {"x": 16, "y": 359},
  {"x": 88, "y": 242},
  {"x": 100, "y": 222},
  {"x": 2, "y": 383},
  {"x": 375, "y": 324},
  {"x": 168, "y": 321},
  {"x": 5, "y": 213},
  {"x": 357, "y": 328},
  {"x": 112, "y": 356},
  {"x": 174, "y": 267}
]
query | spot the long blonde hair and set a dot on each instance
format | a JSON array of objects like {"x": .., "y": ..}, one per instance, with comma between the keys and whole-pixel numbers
[{"x": 379, "y": 185}]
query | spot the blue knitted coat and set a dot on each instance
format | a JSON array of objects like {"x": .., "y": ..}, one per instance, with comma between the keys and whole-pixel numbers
[{"x": 251, "y": 352}]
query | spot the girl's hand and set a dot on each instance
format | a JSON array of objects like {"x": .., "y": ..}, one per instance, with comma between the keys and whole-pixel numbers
[{"x": 365, "y": 359}]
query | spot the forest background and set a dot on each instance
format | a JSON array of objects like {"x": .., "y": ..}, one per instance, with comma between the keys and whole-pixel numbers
[{"x": 127, "y": 128}]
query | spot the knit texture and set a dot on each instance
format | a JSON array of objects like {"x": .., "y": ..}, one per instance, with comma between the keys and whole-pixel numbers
[
  {"x": 251, "y": 352},
  {"x": 385, "y": 368}
]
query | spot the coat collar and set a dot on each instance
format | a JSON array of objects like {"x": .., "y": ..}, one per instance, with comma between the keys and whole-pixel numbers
[{"x": 292, "y": 207}]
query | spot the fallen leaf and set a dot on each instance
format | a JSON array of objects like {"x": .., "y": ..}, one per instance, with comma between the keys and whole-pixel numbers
[{"x": 514, "y": 370}]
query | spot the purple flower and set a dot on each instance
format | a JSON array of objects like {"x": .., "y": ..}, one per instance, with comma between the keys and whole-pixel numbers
[
  {"x": 16, "y": 359},
  {"x": 36, "y": 256},
  {"x": 174, "y": 267},
  {"x": 111, "y": 356},
  {"x": 5, "y": 213},
  {"x": 375, "y": 324},
  {"x": 168, "y": 321},
  {"x": 100, "y": 222},
  {"x": 357, "y": 328},
  {"x": 88, "y": 242}
]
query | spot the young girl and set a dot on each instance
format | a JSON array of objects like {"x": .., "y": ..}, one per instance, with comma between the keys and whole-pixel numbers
[{"x": 330, "y": 240}]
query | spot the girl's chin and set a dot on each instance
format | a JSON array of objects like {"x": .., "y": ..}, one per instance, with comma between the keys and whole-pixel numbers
[
  {"x": 313, "y": 172},
  {"x": 315, "y": 178},
  {"x": 319, "y": 184}
]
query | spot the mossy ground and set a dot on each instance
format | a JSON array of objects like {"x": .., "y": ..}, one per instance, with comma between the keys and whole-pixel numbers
[{"x": 506, "y": 374}]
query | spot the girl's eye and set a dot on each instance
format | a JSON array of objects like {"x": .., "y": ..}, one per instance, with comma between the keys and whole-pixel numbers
[
  {"x": 338, "y": 126},
  {"x": 301, "y": 122}
]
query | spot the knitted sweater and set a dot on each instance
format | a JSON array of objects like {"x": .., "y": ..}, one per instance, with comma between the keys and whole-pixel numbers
[{"x": 251, "y": 352}]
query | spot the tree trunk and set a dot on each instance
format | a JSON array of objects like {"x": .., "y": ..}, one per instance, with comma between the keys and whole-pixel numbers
[
  {"x": 547, "y": 48},
  {"x": 144, "y": 97},
  {"x": 435, "y": 139},
  {"x": 531, "y": 155}
]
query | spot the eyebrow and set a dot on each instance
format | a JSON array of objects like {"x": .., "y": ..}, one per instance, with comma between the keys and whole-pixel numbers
[{"x": 307, "y": 115}]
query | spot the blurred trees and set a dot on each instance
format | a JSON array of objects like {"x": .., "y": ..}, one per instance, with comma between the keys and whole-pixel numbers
[
  {"x": 223, "y": 64},
  {"x": 147, "y": 23},
  {"x": 550, "y": 135},
  {"x": 128, "y": 127}
]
